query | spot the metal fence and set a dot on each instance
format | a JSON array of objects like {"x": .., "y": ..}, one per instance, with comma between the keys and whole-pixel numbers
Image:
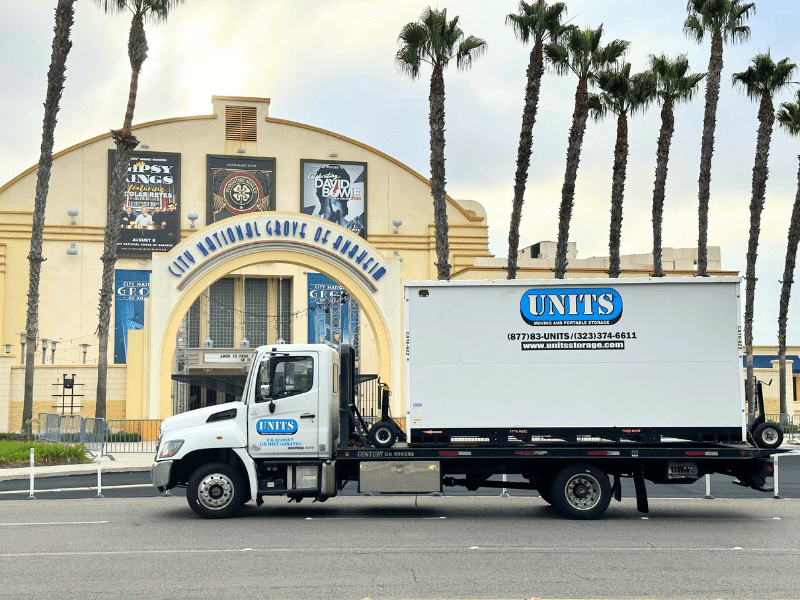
[
  {"x": 72, "y": 429},
  {"x": 789, "y": 423},
  {"x": 99, "y": 437},
  {"x": 368, "y": 400},
  {"x": 132, "y": 435}
]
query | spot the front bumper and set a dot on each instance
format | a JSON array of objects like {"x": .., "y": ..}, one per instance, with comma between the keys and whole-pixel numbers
[{"x": 160, "y": 472}]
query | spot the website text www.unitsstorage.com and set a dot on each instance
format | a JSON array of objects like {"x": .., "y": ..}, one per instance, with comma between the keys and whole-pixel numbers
[{"x": 558, "y": 345}]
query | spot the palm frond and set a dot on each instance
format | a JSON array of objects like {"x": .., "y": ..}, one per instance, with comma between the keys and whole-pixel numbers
[
  {"x": 764, "y": 76},
  {"x": 789, "y": 116},
  {"x": 469, "y": 50}
]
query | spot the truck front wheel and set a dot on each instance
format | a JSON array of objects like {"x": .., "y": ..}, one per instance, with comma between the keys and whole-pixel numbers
[
  {"x": 581, "y": 492},
  {"x": 215, "y": 491}
]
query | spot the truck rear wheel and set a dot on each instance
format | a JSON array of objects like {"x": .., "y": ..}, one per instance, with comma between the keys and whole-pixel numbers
[
  {"x": 215, "y": 491},
  {"x": 581, "y": 492},
  {"x": 768, "y": 435}
]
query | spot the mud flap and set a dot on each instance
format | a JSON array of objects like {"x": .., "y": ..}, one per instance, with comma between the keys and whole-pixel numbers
[
  {"x": 641, "y": 490},
  {"x": 616, "y": 490}
]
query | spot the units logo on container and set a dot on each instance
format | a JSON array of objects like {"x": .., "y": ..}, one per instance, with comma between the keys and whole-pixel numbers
[
  {"x": 570, "y": 306},
  {"x": 276, "y": 426}
]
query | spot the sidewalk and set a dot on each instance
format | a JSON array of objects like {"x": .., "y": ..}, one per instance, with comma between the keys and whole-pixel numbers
[{"x": 123, "y": 463}]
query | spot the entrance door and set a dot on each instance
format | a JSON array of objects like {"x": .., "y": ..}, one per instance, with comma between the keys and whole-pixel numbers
[{"x": 284, "y": 412}]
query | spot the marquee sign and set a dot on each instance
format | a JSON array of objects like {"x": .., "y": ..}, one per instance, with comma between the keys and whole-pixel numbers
[{"x": 280, "y": 231}]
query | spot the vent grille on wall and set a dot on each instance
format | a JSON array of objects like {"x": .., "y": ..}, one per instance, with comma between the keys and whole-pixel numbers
[{"x": 240, "y": 123}]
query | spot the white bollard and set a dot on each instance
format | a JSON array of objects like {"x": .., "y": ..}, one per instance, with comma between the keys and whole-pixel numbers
[
  {"x": 775, "y": 475},
  {"x": 708, "y": 488},
  {"x": 32, "y": 497},
  {"x": 504, "y": 493},
  {"x": 99, "y": 476}
]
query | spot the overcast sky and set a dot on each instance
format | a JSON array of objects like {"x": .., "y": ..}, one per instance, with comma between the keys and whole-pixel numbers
[{"x": 330, "y": 63}]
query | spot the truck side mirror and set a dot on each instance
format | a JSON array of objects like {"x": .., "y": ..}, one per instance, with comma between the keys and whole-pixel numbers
[{"x": 265, "y": 390}]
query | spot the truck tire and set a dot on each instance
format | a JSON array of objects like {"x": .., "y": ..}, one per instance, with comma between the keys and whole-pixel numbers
[
  {"x": 581, "y": 492},
  {"x": 382, "y": 435},
  {"x": 215, "y": 491},
  {"x": 544, "y": 493},
  {"x": 768, "y": 435}
]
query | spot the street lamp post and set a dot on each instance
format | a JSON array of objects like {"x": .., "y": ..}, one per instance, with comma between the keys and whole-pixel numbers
[
  {"x": 53, "y": 349},
  {"x": 44, "y": 349}
]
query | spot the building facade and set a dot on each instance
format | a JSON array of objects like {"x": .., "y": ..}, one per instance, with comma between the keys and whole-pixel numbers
[{"x": 238, "y": 229}]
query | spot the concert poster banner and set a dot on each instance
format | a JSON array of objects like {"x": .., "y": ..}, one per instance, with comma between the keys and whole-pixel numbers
[
  {"x": 130, "y": 290},
  {"x": 151, "y": 209},
  {"x": 335, "y": 191},
  {"x": 321, "y": 291},
  {"x": 239, "y": 185}
]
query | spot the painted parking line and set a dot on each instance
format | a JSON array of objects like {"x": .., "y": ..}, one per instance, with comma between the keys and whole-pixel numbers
[{"x": 51, "y": 523}]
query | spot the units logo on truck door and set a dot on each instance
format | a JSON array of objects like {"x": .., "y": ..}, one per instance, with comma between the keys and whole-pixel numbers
[
  {"x": 276, "y": 426},
  {"x": 571, "y": 306}
]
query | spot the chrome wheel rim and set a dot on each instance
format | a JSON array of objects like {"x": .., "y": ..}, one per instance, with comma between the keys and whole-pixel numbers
[
  {"x": 215, "y": 491},
  {"x": 583, "y": 492}
]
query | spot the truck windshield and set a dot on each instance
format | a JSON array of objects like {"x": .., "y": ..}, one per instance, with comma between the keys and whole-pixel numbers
[{"x": 284, "y": 376}]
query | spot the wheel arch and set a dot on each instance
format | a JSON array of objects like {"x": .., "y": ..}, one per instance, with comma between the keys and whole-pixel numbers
[{"x": 235, "y": 457}]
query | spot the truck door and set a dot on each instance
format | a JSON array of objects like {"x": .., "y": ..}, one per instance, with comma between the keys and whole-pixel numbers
[{"x": 284, "y": 411}]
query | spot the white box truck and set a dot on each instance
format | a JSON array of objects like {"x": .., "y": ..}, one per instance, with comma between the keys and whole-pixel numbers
[
  {"x": 616, "y": 359},
  {"x": 565, "y": 386}
]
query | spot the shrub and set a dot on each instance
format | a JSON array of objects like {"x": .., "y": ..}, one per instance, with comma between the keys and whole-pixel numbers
[
  {"x": 14, "y": 453},
  {"x": 124, "y": 436}
]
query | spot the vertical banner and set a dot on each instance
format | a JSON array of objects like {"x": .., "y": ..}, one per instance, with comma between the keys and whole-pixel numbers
[
  {"x": 151, "y": 210},
  {"x": 238, "y": 185},
  {"x": 332, "y": 312},
  {"x": 335, "y": 191},
  {"x": 130, "y": 290}
]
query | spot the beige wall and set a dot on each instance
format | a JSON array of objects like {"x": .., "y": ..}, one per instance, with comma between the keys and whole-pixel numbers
[
  {"x": 69, "y": 285},
  {"x": 12, "y": 385}
]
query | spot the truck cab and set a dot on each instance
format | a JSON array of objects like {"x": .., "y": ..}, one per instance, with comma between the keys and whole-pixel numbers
[{"x": 279, "y": 439}]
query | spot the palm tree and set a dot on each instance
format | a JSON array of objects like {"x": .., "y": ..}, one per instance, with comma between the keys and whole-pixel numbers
[
  {"x": 621, "y": 94},
  {"x": 788, "y": 119},
  {"x": 62, "y": 44},
  {"x": 539, "y": 21},
  {"x": 579, "y": 53},
  {"x": 760, "y": 81},
  {"x": 125, "y": 142},
  {"x": 724, "y": 21},
  {"x": 436, "y": 41},
  {"x": 673, "y": 86}
]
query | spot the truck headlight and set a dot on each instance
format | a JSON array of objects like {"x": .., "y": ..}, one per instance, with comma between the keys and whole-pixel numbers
[{"x": 170, "y": 448}]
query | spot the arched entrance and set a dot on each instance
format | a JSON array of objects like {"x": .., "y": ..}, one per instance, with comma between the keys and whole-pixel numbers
[{"x": 180, "y": 276}]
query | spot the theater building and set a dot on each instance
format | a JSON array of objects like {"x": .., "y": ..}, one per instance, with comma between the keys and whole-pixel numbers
[{"x": 238, "y": 230}]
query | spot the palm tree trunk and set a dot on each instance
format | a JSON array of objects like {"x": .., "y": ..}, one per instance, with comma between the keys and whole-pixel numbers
[
  {"x": 137, "y": 54},
  {"x": 436, "y": 122},
  {"x": 618, "y": 194},
  {"x": 55, "y": 87},
  {"x": 786, "y": 290},
  {"x": 579, "y": 116},
  {"x": 535, "y": 72},
  {"x": 662, "y": 161},
  {"x": 766, "y": 117},
  {"x": 707, "y": 150},
  {"x": 125, "y": 142},
  {"x": 116, "y": 198}
]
